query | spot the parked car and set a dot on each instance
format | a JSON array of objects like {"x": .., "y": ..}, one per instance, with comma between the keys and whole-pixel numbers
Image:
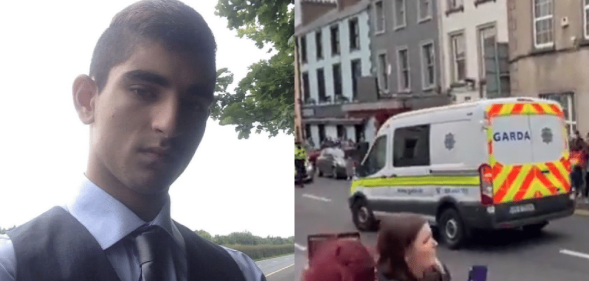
[{"x": 331, "y": 162}]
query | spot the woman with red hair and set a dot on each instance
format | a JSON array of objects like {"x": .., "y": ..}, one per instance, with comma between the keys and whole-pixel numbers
[{"x": 341, "y": 260}]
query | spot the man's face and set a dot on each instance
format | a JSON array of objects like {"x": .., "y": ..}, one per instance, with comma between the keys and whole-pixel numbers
[{"x": 150, "y": 117}]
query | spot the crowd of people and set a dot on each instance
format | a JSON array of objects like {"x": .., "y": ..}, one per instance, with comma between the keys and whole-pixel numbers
[
  {"x": 405, "y": 251},
  {"x": 579, "y": 148}
]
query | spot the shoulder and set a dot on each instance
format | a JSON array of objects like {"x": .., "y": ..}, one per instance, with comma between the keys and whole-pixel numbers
[
  {"x": 247, "y": 266},
  {"x": 250, "y": 269}
]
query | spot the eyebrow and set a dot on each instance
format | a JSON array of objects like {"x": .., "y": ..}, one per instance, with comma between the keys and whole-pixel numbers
[
  {"x": 147, "y": 76},
  {"x": 203, "y": 91}
]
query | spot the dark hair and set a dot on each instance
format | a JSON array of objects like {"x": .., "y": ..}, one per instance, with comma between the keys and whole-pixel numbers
[
  {"x": 169, "y": 22},
  {"x": 396, "y": 235},
  {"x": 340, "y": 260}
]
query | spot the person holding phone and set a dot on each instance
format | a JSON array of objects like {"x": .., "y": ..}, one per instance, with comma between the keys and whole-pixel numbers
[{"x": 407, "y": 250}]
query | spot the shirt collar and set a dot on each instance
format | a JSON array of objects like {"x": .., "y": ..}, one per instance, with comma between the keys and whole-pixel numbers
[{"x": 109, "y": 220}]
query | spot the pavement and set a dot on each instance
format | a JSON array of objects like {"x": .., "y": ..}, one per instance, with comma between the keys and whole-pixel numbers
[
  {"x": 561, "y": 252},
  {"x": 278, "y": 269}
]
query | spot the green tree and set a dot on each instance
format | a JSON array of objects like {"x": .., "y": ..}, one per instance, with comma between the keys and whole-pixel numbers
[
  {"x": 264, "y": 99},
  {"x": 204, "y": 234}
]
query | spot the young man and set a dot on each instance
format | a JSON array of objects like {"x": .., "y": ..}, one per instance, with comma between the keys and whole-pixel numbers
[{"x": 147, "y": 100}]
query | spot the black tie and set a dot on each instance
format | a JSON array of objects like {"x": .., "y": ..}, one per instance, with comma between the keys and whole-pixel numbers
[{"x": 151, "y": 247}]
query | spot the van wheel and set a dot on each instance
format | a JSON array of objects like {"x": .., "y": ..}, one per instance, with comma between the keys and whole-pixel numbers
[
  {"x": 534, "y": 228},
  {"x": 452, "y": 229},
  {"x": 362, "y": 216}
]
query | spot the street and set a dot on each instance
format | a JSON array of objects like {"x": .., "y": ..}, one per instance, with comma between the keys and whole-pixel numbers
[
  {"x": 278, "y": 269},
  {"x": 560, "y": 253}
]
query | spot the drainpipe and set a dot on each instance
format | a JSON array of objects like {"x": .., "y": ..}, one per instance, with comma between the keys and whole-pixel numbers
[{"x": 441, "y": 46}]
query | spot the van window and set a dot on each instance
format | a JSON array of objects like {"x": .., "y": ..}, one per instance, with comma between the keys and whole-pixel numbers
[
  {"x": 512, "y": 139},
  {"x": 548, "y": 139},
  {"x": 377, "y": 157},
  {"x": 411, "y": 146}
]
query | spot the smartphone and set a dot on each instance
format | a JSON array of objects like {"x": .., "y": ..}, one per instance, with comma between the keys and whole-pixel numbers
[{"x": 478, "y": 273}]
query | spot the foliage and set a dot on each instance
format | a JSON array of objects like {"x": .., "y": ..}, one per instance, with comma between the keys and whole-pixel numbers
[
  {"x": 245, "y": 238},
  {"x": 258, "y": 252},
  {"x": 264, "y": 99},
  {"x": 4, "y": 230}
]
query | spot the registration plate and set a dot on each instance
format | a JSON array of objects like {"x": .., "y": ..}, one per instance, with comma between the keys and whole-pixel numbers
[{"x": 521, "y": 209}]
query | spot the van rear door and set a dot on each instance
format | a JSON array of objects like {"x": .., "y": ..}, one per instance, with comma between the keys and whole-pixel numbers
[
  {"x": 526, "y": 150},
  {"x": 510, "y": 151},
  {"x": 549, "y": 146}
]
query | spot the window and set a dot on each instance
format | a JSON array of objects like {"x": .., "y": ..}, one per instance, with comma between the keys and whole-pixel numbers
[
  {"x": 487, "y": 35},
  {"x": 304, "y": 49},
  {"x": 319, "y": 45},
  {"x": 411, "y": 146},
  {"x": 543, "y": 25},
  {"x": 306, "y": 87},
  {"x": 403, "y": 66},
  {"x": 383, "y": 76},
  {"x": 356, "y": 73},
  {"x": 379, "y": 19},
  {"x": 321, "y": 129},
  {"x": 377, "y": 157},
  {"x": 308, "y": 134},
  {"x": 321, "y": 85},
  {"x": 354, "y": 34},
  {"x": 567, "y": 102},
  {"x": 337, "y": 79},
  {"x": 586, "y": 18},
  {"x": 466, "y": 98},
  {"x": 425, "y": 10},
  {"x": 454, "y": 4},
  {"x": 335, "y": 49},
  {"x": 458, "y": 57},
  {"x": 428, "y": 66},
  {"x": 341, "y": 132},
  {"x": 400, "y": 15}
]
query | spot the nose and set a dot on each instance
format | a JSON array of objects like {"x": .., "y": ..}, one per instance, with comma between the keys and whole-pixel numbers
[{"x": 166, "y": 117}]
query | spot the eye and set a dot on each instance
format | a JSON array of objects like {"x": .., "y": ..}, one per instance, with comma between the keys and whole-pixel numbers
[{"x": 144, "y": 93}]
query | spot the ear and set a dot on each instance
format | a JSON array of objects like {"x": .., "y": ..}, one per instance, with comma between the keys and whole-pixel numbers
[{"x": 85, "y": 92}]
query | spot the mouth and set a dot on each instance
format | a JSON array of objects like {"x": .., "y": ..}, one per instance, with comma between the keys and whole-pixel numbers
[{"x": 158, "y": 155}]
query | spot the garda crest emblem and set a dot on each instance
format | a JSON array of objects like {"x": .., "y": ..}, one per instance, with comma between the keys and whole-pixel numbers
[
  {"x": 547, "y": 135},
  {"x": 449, "y": 141}
]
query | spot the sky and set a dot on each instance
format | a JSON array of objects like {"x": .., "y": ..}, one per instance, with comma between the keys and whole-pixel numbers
[{"x": 231, "y": 185}]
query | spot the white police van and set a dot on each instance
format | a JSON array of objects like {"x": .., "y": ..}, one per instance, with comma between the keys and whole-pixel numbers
[{"x": 490, "y": 164}]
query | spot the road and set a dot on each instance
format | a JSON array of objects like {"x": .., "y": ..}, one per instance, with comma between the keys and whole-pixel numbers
[
  {"x": 278, "y": 269},
  {"x": 560, "y": 253}
]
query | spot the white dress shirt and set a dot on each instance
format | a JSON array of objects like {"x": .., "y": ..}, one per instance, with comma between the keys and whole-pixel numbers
[{"x": 109, "y": 221}]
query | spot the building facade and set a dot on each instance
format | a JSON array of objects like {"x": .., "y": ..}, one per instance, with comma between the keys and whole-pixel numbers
[
  {"x": 466, "y": 28},
  {"x": 405, "y": 73},
  {"x": 406, "y": 51},
  {"x": 333, "y": 51},
  {"x": 549, "y": 54}
]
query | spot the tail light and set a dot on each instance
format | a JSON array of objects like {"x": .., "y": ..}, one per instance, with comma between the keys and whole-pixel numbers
[{"x": 486, "y": 175}]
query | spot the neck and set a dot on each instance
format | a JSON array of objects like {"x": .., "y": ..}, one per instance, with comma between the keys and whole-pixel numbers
[{"x": 145, "y": 206}]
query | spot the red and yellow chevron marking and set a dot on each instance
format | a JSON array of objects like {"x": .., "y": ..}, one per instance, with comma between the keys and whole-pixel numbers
[
  {"x": 521, "y": 182},
  {"x": 535, "y": 180},
  {"x": 495, "y": 110}
]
